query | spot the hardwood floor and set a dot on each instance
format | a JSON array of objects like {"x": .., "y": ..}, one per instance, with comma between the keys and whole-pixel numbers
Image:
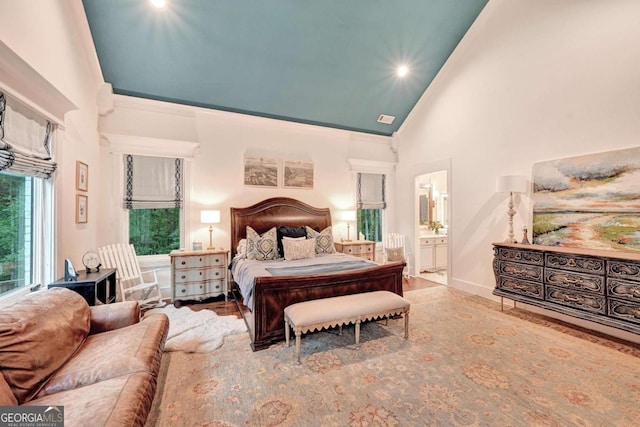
[{"x": 231, "y": 307}]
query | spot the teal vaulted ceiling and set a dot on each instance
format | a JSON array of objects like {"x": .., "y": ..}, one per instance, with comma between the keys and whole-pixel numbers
[{"x": 325, "y": 62}]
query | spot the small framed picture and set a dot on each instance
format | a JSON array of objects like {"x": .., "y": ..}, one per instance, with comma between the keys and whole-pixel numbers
[
  {"x": 82, "y": 176},
  {"x": 82, "y": 208}
]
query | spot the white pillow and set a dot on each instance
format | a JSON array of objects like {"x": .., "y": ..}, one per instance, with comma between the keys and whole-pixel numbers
[{"x": 298, "y": 248}]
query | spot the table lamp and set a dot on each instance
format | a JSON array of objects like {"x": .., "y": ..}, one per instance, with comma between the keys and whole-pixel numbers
[
  {"x": 348, "y": 216},
  {"x": 511, "y": 184},
  {"x": 210, "y": 217}
]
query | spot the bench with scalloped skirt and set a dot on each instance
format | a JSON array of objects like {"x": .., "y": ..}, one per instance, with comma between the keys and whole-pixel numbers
[{"x": 325, "y": 313}]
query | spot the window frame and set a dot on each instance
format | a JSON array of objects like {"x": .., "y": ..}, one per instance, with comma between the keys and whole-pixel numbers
[
  {"x": 185, "y": 229},
  {"x": 42, "y": 238}
]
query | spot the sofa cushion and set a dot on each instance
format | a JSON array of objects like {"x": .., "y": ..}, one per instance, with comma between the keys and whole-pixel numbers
[
  {"x": 135, "y": 348},
  {"x": 121, "y": 401},
  {"x": 7, "y": 397},
  {"x": 38, "y": 334}
]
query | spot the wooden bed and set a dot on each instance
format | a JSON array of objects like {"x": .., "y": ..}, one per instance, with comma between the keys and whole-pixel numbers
[{"x": 272, "y": 294}]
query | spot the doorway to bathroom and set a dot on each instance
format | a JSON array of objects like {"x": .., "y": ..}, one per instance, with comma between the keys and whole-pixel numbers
[{"x": 432, "y": 195}]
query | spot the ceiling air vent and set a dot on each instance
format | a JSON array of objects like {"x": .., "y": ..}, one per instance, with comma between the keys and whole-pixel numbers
[{"x": 387, "y": 120}]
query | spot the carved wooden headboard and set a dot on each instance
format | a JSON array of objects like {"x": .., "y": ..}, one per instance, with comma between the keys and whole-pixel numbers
[{"x": 273, "y": 213}]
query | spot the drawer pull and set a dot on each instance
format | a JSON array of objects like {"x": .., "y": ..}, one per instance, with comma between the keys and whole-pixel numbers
[
  {"x": 201, "y": 273},
  {"x": 183, "y": 262},
  {"x": 200, "y": 259},
  {"x": 184, "y": 277},
  {"x": 216, "y": 260},
  {"x": 183, "y": 291},
  {"x": 200, "y": 286},
  {"x": 217, "y": 273},
  {"x": 572, "y": 298}
]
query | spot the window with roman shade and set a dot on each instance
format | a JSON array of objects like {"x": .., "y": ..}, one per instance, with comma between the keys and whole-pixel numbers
[
  {"x": 371, "y": 200},
  {"x": 25, "y": 140},
  {"x": 152, "y": 182},
  {"x": 371, "y": 191}
]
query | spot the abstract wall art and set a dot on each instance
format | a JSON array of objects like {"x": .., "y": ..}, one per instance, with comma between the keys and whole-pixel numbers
[{"x": 590, "y": 201}]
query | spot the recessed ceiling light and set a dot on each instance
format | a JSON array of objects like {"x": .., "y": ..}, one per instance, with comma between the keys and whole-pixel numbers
[
  {"x": 159, "y": 3},
  {"x": 402, "y": 70}
]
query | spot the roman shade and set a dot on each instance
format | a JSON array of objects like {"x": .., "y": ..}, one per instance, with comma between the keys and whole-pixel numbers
[
  {"x": 371, "y": 191},
  {"x": 25, "y": 140},
  {"x": 152, "y": 182}
]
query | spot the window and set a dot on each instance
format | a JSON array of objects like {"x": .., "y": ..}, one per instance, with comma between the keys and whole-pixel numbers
[
  {"x": 371, "y": 203},
  {"x": 26, "y": 217},
  {"x": 154, "y": 231},
  {"x": 153, "y": 196},
  {"x": 16, "y": 207}
]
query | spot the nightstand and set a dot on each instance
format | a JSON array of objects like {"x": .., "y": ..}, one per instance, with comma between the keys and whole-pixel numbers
[
  {"x": 360, "y": 248},
  {"x": 198, "y": 275}
]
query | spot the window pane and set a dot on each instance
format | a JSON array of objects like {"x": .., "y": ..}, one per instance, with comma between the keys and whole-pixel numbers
[
  {"x": 370, "y": 224},
  {"x": 154, "y": 231},
  {"x": 16, "y": 208}
]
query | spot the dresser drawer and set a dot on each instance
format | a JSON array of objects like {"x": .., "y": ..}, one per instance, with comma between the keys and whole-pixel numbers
[
  {"x": 623, "y": 289},
  {"x": 198, "y": 261},
  {"x": 197, "y": 275},
  {"x": 215, "y": 287},
  {"x": 427, "y": 241},
  {"x": 520, "y": 271},
  {"x": 190, "y": 290},
  {"x": 358, "y": 249},
  {"x": 578, "y": 263},
  {"x": 576, "y": 281},
  {"x": 519, "y": 255},
  {"x": 577, "y": 299},
  {"x": 521, "y": 287},
  {"x": 624, "y": 310},
  {"x": 623, "y": 269}
]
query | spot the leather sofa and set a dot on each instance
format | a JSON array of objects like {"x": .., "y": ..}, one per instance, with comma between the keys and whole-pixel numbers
[{"x": 100, "y": 363}]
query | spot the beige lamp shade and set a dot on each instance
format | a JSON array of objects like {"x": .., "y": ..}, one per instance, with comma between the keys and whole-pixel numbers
[
  {"x": 210, "y": 217},
  {"x": 348, "y": 215},
  {"x": 511, "y": 184}
]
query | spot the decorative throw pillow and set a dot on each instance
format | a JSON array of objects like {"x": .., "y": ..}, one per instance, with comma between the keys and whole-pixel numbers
[
  {"x": 287, "y": 231},
  {"x": 298, "y": 249},
  {"x": 261, "y": 247},
  {"x": 241, "y": 251},
  {"x": 324, "y": 240},
  {"x": 394, "y": 254}
]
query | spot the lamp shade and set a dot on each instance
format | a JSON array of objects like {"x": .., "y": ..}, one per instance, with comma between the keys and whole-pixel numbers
[
  {"x": 210, "y": 217},
  {"x": 348, "y": 215},
  {"x": 511, "y": 184}
]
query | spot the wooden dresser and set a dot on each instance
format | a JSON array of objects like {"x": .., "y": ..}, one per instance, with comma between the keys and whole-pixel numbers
[
  {"x": 360, "y": 248},
  {"x": 596, "y": 285},
  {"x": 197, "y": 275}
]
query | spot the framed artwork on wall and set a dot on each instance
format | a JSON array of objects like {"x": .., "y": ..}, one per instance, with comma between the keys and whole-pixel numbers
[
  {"x": 82, "y": 208},
  {"x": 298, "y": 174},
  {"x": 261, "y": 171},
  {"x": 82, "y": 176},
  {"x": 589, "y": 201}
]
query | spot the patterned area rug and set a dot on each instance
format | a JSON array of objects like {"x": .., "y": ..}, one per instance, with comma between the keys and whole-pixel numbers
[{"x": 465, "y": 364}]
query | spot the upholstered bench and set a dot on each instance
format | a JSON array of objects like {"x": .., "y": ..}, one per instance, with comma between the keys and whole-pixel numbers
[{"x": 322, "y": 313}]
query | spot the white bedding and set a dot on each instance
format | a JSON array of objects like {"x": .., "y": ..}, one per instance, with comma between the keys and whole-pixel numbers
[{"x": 245, "y": 271}]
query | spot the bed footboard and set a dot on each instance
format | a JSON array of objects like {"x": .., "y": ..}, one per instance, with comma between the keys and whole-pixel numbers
[{"x": 273, "y": 294}]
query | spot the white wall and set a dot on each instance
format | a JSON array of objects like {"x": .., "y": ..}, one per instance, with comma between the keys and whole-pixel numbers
[
  {"x": 216, "y": 170},
  {"x": 532, "y": 80},
  {"x": 46, "y": 35}
]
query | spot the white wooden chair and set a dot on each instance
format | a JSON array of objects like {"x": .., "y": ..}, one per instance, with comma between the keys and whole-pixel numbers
[
  {"x": 134, "y": 284},
  {"x": 395, "y": 250}
]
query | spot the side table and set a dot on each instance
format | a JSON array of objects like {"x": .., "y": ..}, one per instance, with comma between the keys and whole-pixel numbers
[{"x": 97, "y": 288}]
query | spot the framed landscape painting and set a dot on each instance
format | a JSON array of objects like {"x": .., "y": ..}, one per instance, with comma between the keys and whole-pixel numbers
[
  {"x": 261, "y": 171},
  {"x": 298, "y": 174},
  {"x": 590, "y": 201}
]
